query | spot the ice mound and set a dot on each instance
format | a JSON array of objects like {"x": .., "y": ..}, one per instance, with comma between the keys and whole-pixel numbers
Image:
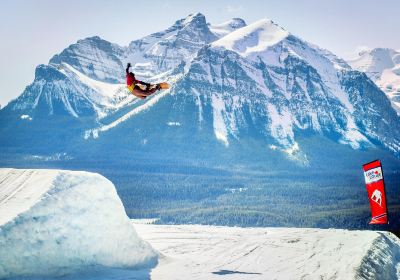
[{"x": 54, "y": 222}]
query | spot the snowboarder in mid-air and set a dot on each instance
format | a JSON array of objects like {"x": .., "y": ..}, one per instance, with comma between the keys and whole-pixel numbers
[{"x": 139, "y": 88}]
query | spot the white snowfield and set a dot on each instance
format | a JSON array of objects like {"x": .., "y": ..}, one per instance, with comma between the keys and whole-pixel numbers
[
  {"x": 211, "y": 252},
  {"x": 72, "y": 225},
  {"x": 53, "y": 222},
  {"x": 230, "y": 253}
]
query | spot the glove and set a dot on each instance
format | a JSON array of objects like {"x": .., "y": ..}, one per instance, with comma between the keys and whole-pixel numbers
[{"x": 129, "y": 65}]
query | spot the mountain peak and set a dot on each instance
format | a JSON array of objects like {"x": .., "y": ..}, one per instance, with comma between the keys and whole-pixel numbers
[
  {"x": 234, "y": 23},
  {"x": 48, "y": 73},
  {"x": 95, "y": 57},
  {"x": 253, "y": 38},
  {"x": 375, "y": 61},
  {"x": 377, "y": 52},
  {"x": 194, "y": 16},
  {"x": 91, "y": 39},
  {"x": 224, "y": 28},
  {"x": 238, "y": 22},
  {"x": 382, "y": 65},
  {"x": 193, "y": 19}
]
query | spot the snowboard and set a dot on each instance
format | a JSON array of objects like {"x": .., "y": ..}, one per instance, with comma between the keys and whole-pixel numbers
[{"x": 162, "y": 86}]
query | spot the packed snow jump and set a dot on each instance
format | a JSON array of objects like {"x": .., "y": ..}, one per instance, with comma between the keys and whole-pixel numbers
[{"x": 139, "y": 88}]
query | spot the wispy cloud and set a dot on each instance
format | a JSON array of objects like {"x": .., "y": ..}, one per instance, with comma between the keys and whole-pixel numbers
[
  {"x": 361, "y": 49},
  {"x": 354, "y": 54},
  {"x": 234, "y": 9}
]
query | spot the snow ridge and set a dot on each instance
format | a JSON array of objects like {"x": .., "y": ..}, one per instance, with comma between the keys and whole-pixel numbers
[
  {"x": 45, "y": 212},
  {"x": 271, "y": 253},
  {"x": 256, "y": 76},
  {"x": 227, "y": 27},
  {"x": 149, "y": 103},
  {"x": 382, "y": 259},
  {"x": 383, "y": 67},
  {"x": 255, "y": 37}
]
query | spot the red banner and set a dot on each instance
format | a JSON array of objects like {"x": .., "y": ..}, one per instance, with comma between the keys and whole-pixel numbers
[{"x": 376, "y": 191}]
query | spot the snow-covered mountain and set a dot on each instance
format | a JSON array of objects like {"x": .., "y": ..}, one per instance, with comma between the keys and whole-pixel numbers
[
  {"x": 238, "y": 91},
  {"x": 88, "y": 77},
  {"x": 163, "y": 51},
  {"x": 383, "y": 67},
  {"x": 276, "y": 76}
]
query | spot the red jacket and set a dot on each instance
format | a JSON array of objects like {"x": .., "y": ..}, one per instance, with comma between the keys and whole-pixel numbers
[{"x": 130, "y": 79}]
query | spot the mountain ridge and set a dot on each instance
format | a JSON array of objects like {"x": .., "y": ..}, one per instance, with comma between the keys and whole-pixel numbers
[
  {"x": 382, "y": 65},
  {"x": 256, "y": 82}
]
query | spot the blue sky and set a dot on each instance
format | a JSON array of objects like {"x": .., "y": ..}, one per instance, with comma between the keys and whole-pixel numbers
[{"x": 32, "y": 31}]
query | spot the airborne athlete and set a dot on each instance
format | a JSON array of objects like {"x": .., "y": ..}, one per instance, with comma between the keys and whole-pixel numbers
[{"x": 139, "y": 88}]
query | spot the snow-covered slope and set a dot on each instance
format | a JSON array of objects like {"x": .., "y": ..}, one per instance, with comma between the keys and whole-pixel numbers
[
  {"x": 94, "y": 57},
  {"x": 61, "y": 89},
  {"x": 55, "y": 222},
  {"x": 383, "y": 67},
  {"x": 375, "y": 61},
  {"x": 222, "y": 29},
  {"x": 104, "y": 97},
  {"x": 165, "y": 50},
  {"x": 209, "y": 252},
  {"x": 254, "y": 38}
]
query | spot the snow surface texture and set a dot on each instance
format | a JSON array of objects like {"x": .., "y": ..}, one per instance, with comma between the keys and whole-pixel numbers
[
  {"x": 210, "y": 252},
  {"x": 53, "y": 222},
  {"x": 383, "y": 67}
]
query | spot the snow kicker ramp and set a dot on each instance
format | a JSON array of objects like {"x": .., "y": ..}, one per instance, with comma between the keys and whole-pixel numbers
[
  {"x": 53, "y": 222},
  {"x": 222, "y": 253}
]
